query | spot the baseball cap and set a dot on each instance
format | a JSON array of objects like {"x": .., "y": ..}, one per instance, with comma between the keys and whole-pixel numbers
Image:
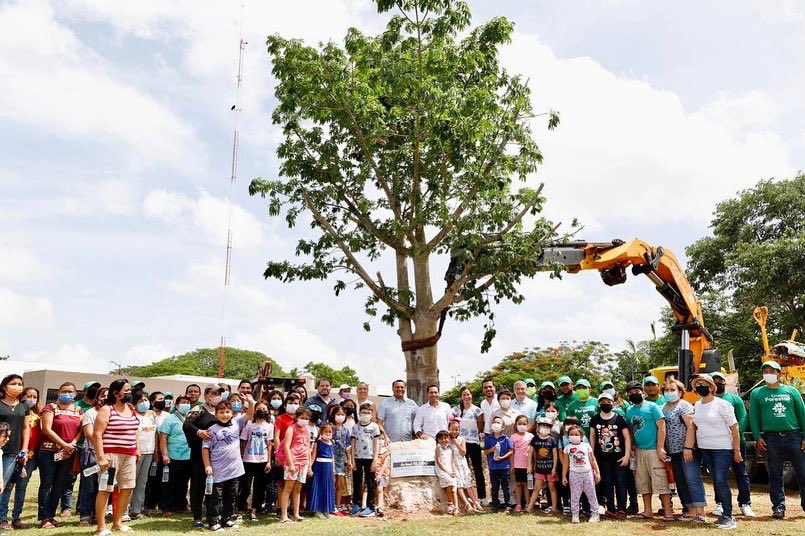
[
  {"x": 544, "y": 420},
  {"x": 212, "y": 387},
  {"x": 138, "y": 385},
  {"x": 718, "y": 375},
  {"x": 606, "y": 384},
  {"x": 168, "y": 394},
  {"x": 91, "y": 383},
  {"x": 344, "y": 387},
  {"x": 651, "y": 379},
  {"x": 773, "y": 364},
  {"x": 564, "y": 379},
  {"x": 547, "y": 383},
  {"x": 634, "y": 385},
  {"x": 583, "y": 382},
  {"x": 530, "y": 381},
  {"x": 604, "y": 396}
]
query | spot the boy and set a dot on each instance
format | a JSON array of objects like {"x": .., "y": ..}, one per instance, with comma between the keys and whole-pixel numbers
[
  {"x": 499, "y": 450},
  {"x": 383, "y": 472},
  {"x": 365, "y": 448}
]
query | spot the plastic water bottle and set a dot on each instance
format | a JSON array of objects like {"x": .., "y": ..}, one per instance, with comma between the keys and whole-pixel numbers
[
  {"x": 89, "y": 471},
  {"x": 530, "y": 481},
  {"x": 208, "y": 485},
  {"x": 104, "y": 483},
  {"x": 152, "y": 470},
  {"x": 497, "y": 451},
  {"x": 165, "y": 473}
]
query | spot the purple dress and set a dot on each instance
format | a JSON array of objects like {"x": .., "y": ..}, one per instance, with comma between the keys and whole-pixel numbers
[{"x": 322, "y": 491}]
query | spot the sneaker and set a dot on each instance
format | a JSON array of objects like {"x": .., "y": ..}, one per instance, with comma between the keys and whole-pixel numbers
[
  {"x": 718, "y": 510},
  {"x": 253, "y": 516},
  {"x": 367, "y": 512},
  {"x": 484, "y": 502},
  {"x": 238, "y": 517},
  {"x": 575, "y": 519},
  {"x": 231, "y": 524},
  {"x": 566, "y": 510},
  {"x": 746, "y": 511},
  {"x": 198, "y": 524},
  {"x": 379, "y": 512},
  {"x": 548, "y": 510},
  {"x": 778, "y": 512},
  {"x": 355, "y": 510},
  {"x": 595, "y": 518},
  {"x": 631, "y": 510},
  {"x": 216, "y": 528},
  {"x": 320, "y": 515},
  {"x": 125, "y": 519},
  {"x": 725, "y": 522}
]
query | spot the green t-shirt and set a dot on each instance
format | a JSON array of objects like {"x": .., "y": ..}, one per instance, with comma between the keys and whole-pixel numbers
[
  {"x": 563, "y": 401},
  {"x": 776, "y": 410},
  {"x": 642, "y": 420},
  {"x": 583, "y": 411},
  {"x": 660, "y": 401},
  {"x": 740, "y": 411}
]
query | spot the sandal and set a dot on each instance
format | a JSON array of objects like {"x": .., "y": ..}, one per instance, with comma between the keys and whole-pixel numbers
[
  {"x": 46, "y": 524},
  {"x": 668, "y": 518},
  {"x": 18, "y": 524},
  {"x": 641, "y": 515}
]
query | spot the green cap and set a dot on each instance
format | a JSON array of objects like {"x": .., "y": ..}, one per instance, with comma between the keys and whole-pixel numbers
[
  {"x": 718, "y": 375},
  {"x": 529, "y": 380},
  {"x": 651, "y": 379},
  {"x": 564, "y": 379},
  {"x": 91, "y": 383},
  {"x": 167, "y": 394},
  {"x": 773, "y": 364},
  {"x": 547, "y": 383},
  {"x": 606, "y": 384},
  {"x": 583, "y": 382}
]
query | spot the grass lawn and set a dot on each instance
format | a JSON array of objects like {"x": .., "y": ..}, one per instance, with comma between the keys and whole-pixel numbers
[{"x": 479, "y": 524}]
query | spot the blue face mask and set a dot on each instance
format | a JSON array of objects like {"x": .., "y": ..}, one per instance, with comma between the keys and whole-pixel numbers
[
  {"x": 66, "y": 398},
  {"x": 672, "y": 396},
  {"x": 224, "y": 396},
  {"x": 142, "y": 407},
  {"x": 237, "y": 406},
  {"x": 183, "y": 408},
  {"x": 276, "y": 403}
]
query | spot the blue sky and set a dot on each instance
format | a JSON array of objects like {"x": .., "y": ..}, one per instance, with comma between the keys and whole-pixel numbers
[{"x": 115, "y": 133}]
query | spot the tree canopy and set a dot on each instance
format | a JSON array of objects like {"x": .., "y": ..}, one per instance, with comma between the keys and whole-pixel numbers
[
  {"x": 204, "y": 362},
  {"x": 337, "y": 377}
]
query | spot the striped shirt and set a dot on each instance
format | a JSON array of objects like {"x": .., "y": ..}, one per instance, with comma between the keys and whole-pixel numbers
[{"x": 120, "y": 436}]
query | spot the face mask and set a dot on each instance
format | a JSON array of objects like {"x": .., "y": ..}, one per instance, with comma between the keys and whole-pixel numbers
[
  {"x": 349, "y": 411},
  {"x": 291, "y": 408},
  {"x": 583, "y": 394},
  {"x": 530, "y": 391},
  {"x": 606, "y": 408},
  {"x": 497, "y": 427},
  {"x": 142, "y": 407},
  {"x": 544, "y": 431},
  {"x": 610, "y": 392},
  {"x": 771, "y": 379},
  {"x": 505, "y": 403},
  {"x": 30, "y": 402},
  {"x": 327, "y": 437},
  {"x": 237, "y": 406},
  {"x": 66, "y": 398},
  {"x": 340, "y": 419},
  {"x": 225, "y": 396},
  {"x": 702, "y": 389},
  {"x": 549, "y": 396},
  {"x": 183, "y": 408},
  {"x": 159, "y": 405},
  {"x": 552, "y": 415},
  {"x": 92, "y": 393},
  {"x": 671, "y": 396},
  {"x": 276, "y": 403},
  {"x": 720, "y": 388},
  {"x": 636, "y": 398},
  {"x": 215, "y": 400},
  {"x": 575, "y": 439},
  {"x": 168, "y": 403},
  {"x": 346, "y": 396},
  {"x": 302, "y": 422},
  {"x": 522, "y": 428},
  {"x": 366, "y": 418},
  {"x": 126, "y": 398},
  {"x": 261, "y": 414},
  {"x": 14, "y": 390}
]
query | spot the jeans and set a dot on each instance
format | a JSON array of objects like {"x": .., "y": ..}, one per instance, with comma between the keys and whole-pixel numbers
[
  {"x": 5, "y": 498},
  {"x": 742, "y": 479},
  {"x": 67, "y": 492},
  {"x": 53, "y": 477},
  {"x": 693, "y": 479},
  {"x": 255, "y": 472},
  {"x": 363, "y": 467},
  {"x": 174, "y": 492},
  {"x": 21, "y": 487},
  {"x": 221, "y": 503},
  {"x": 197, "y": 480},
  {"x": 474, "y": 459},
  {"x": 613, "y": 483},
  {"x": 682, "y": 490},
  {"x": 88, "y": 486},
  {"x": 718, "y": 462},
  {"x": 153, "y": 488},
  {"x": 138, "y": 494},
  {"x": 782, "y": 448},
  {"x": 500, "y": 478},
  {"x": 274, "y": 476}
]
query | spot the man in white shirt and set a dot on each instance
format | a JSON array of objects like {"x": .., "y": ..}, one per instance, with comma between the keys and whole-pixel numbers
[
  {"x": 524, "y": 405},
  {"x": 488, "y": 405},
  {"x": 431, "y": 417}
]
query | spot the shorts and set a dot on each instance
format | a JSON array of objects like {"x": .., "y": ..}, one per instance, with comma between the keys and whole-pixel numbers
[
  {"x": 125, "y": 466},
  {"x": 299, "y": 476},
  {"x": 520, "y": 475},
  {"x": 548, "y": 477},
  {"x": 649, "y": 473},
  {"x": 383, "y": 482}
]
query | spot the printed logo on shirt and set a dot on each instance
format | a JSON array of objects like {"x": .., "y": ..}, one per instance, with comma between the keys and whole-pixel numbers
[
  {"x": 779, "y": 410},
  {"x": 608, "y": 440},
  {"x": 637, "y": 423},
  {"x": 577, "y": 456}
]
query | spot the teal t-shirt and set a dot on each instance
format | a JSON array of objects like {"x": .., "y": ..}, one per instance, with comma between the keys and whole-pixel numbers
[
  {"x": 660, "y": 401},
  {"x": 642, "y": 420},
  {"x": 584, "y": 411},
  {"x": 177, "y": 442}
]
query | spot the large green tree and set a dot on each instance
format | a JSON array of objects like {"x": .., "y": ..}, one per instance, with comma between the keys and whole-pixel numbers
[
  {"x": 405, "y": 147},
  {"x": 204, "y": 362},
  {"x": 344, "y": 375}
]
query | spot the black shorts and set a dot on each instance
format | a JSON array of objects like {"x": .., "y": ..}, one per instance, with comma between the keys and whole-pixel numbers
[{"x": 520, "y": 475}]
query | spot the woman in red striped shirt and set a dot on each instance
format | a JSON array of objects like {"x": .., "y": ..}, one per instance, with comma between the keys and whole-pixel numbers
[{"x": 115, "y": 440}]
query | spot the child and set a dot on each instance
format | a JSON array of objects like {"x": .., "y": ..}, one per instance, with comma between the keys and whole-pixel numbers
[
  {"x": 584, "y": 474},
  {"x": 222, "y": 461},
  {"x": 466, "y": 491},
  {"x": 383, "y": 472},
  {"x": 498, "y": 448},
  {"x": 446, "y": 470},
  {"x": 521, "y": 442},
  {"x": 5, "y": 435},
  {"x": 296, "y": 457},
  {"x": 256, "y": 444},
  {"x": 365, "y": 447},
  {"x": 552, "y": 413},
  {"x": 342, "y": 445},
  {"x": 321, "y": 498},
  {"x": 543, "y": 462}
]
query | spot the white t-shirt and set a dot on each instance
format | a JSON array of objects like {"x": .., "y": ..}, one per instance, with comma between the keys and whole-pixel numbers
[
  {"x": 431, "y": 420},
  {"x": 578, "y": 457},
  {"x": 89, "y": 418},
  {"x": 147, "y": 432},
  {"x": 713, "y": 421},
  {"x": 488, "y": 409}
]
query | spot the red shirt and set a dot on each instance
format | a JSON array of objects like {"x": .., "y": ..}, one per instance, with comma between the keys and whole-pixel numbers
[
  {"x": 66, "y": 423},
  {"x": 282, "y": 423}
]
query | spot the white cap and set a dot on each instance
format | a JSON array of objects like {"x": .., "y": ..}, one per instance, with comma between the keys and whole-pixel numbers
[{"x": 344, "y": 387}]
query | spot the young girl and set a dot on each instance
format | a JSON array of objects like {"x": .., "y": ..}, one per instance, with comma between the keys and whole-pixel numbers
[
  {"x": 446, "y": 470},
  {"x": 296, "y": 458},
  {"x": 255, "y": 446},
  {"x": 342, "y": 443},
  {"x": 274, "y": 476},
  {"x": 583, "y": 473},
  {"x": 466, "y": 491},
  {"x": 552, "y": 413},
  {"x": 521, "y": 442},
  {"x": 543, "y": 462},
  {"x": 383, "y": 472},
  {"x": 222, "y": 461},
  {"x": 498, "y": 449},
  {"x": 321, "y": 498}
]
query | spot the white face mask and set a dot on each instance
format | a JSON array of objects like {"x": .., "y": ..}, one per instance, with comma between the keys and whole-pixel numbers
[
  {"x": 291, "y": 408},
  {"x": 522, "y": 428},
  {"x": 610, "y": 392},
  {"x": 544, "y": 431},
  {"x": 302, "y": 422},
  {"x": 497, "y": 427},
  {"x": 215, "y": 400},
  {"x": 365, "y": 418},
  {"x": 505, "y": 403},
  {"x": 340, "y": 418},
  {"x": 552, "y": 415},
  {"x": 770, "y": 378}
]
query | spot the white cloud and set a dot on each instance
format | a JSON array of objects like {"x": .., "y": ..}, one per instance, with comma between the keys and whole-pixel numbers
[
  {"x": 20, "y": 264},
  {"x": 77, "y": 357},
  {"x": 289, "y": 344},
  {"x": 19, "y": 310}
]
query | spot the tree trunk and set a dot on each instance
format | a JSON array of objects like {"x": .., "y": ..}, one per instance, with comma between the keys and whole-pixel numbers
[{"x": 421, "y": 367}]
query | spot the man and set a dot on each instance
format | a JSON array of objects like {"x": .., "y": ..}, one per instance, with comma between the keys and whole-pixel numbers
[
  {"x": 651, "y": 386},
  {"x": 531, "y": 388},
  {"x": 489, "y": 405},
  {"x": 193, "y": 392},
  {"x": 432, "y": 416},
  {"x": 584, "y": 407},
  {"x": 777, "y": 419},
  {"x": 396, "y": 414},
  {"x": 648, "y": 430},
  {"x": 195, "y": 428},
  {"x": 524, "y": 404},
  {"x": 322, "y": 400},
  {"x": 566, "y": 394},
  {"x": 244, "y": 388},
  {"x": 741, "y": 475}
]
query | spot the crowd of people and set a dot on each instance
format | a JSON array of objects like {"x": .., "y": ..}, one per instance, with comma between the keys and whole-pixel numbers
[{"x": 225, "y": 457}]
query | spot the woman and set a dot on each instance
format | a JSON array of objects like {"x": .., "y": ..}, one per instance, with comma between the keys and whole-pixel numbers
[
  {"x": 471, "y": 417},
  {"x": 15, "y": 413},
  {"x": 153, "y": 486},
  {"x": 115, "y": 441},
  {"x": 678, "y": 415},
  {"x": 506, "y": 412},
  {"x": 30, "y": 397},
  {"x": 275, "y": 408},
  {"x": 546, "y": 395},
  {"x": 146, "y": 442},
  {"x": 715, "y": 431},
  {"x": 176, "y": 458},
  {"x": 61, "y": 430},
  {"x": 89, "y": 484},
  {"x": 301, "y": 392}
]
